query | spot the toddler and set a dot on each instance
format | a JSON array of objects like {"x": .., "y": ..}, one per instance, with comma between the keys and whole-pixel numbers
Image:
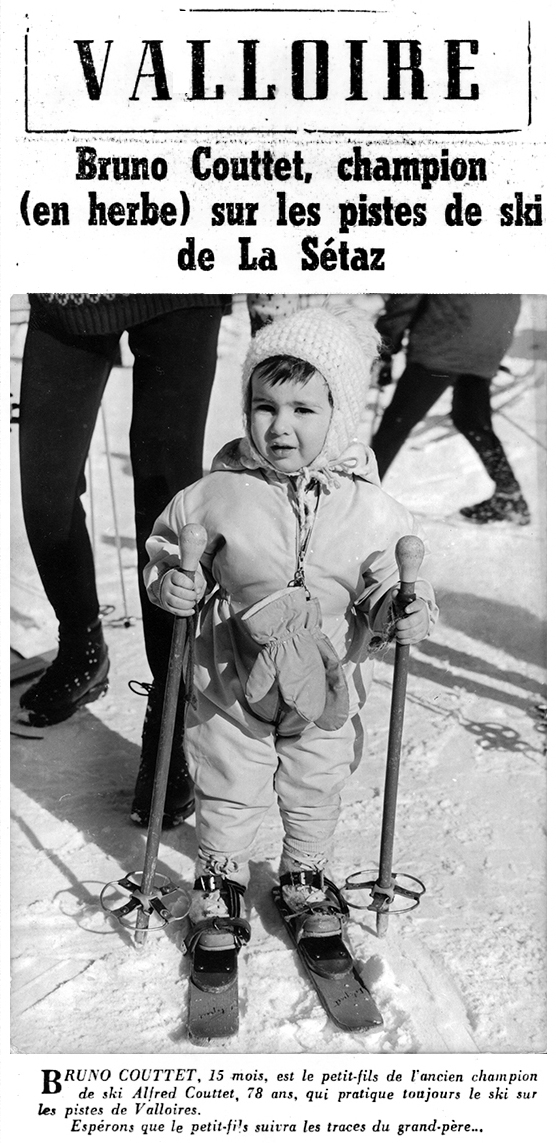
[{"x": 299, "y": 577}]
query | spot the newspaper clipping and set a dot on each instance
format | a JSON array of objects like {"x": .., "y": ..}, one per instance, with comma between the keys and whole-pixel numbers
[{"x": 225, "y": 233}]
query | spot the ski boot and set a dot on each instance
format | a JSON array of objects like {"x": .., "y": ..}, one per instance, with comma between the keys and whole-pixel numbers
[
  {"x": 180, "y": 796},
  {"x": 217, "y": 932},
  {"x": 315, "y": 913},
  {"x": 78, "y": 675},
  {"x": 509, "y": 506}
]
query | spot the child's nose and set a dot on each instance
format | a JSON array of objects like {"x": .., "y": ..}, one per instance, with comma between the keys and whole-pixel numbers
[{"x": 280, "y": 422}]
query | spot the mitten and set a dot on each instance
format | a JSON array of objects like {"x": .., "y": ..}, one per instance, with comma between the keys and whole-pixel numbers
[
  {"x": 298, "y": 657},
  {"x": 336, "y": 707}
]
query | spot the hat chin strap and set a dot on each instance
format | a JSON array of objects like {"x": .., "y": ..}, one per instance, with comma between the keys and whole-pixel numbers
[{"x": 319, "y": 468}]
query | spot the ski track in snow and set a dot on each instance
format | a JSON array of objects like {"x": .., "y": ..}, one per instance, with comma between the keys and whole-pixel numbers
[{"x": 460, "y": 974}]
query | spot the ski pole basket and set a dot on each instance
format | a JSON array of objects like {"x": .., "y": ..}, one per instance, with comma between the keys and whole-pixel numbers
[
  {"x": 164, "y": 903},
  {"x": 403, "y": 885}
]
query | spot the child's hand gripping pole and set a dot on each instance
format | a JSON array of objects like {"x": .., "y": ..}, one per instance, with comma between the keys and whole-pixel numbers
[
  {"x": 193, "y": 539},
  {"x": 409, "y": 557},
  {"x": 385, "y": 885}
]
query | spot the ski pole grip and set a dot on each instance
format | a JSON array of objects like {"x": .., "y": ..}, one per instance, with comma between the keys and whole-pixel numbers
[
  {"x": 193, "y": 541},
  {"x": 410, "y": 551}
]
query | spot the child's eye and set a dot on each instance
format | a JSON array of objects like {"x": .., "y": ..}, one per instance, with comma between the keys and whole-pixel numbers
[{"x": 304, "y": 409}]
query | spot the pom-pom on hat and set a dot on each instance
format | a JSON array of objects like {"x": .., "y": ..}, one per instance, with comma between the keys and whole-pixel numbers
[{"x": 341, "y": 343}]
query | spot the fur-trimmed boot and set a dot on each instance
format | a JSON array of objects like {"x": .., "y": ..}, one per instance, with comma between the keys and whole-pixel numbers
[
  {"x": 316, "y": 913},
  {"x": 218, "y": 930}
]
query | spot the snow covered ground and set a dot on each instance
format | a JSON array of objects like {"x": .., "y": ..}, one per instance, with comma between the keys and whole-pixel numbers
[{"x": 463, "y": 973}]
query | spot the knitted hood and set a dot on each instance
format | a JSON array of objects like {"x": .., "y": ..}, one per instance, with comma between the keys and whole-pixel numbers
[{"x": 338, "y": 341}]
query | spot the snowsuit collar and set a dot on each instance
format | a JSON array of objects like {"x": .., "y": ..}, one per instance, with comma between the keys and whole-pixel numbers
[{"x": 355, "y": 460}]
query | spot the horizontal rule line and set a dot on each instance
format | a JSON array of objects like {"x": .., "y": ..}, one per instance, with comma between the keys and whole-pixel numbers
[
  {"x": 265, "y": 131},
  {"x": 159, "y": 131},
  {"x": 403, "y": 131},
  {"x": 282, "y": 11}
]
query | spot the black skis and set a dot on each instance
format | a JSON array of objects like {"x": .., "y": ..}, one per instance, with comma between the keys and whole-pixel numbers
[
  {"x": 213, "y": 1015},
  {"x": 213, "y": 993},
  {"x": 345, "y": 998},
  {"x": 214, "y": 1004}
]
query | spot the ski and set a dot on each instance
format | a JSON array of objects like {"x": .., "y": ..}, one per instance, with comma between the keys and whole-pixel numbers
[
  {"x": 345, "y": 998},
  {"x": 213, "y": 991},
  {"x": 213, "y": 1015}
]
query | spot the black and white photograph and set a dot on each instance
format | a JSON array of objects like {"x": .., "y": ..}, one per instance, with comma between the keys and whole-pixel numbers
[{"x": 429, "y": 424}]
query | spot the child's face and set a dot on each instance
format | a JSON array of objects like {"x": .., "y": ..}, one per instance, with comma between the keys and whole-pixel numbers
[{"x": 289, "y": 420}]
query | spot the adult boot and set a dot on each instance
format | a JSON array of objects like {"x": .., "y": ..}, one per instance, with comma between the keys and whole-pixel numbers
[
  {"x": 508, "y": 502},
  {"x": 78, "y": 675},
  {"x": 180, "y": 799},
  {"x": 502, "y": 506}
]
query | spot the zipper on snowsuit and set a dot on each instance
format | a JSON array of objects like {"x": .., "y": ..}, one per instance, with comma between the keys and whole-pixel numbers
[{"x": 302, "y": 544}]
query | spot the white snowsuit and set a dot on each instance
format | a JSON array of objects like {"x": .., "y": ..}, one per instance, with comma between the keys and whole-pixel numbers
[{"x": 266, "y": 530}]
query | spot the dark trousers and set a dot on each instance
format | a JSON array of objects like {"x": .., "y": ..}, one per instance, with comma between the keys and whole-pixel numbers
[
  {"x": 62, "y": 384},
  {"x": 416, "y": 392}
]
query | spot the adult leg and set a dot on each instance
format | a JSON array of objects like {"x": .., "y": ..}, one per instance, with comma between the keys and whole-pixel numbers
[
  {"x": 63, "y": 379},
  {"x": 416, "y": 392},
  {"x": 472, "y": 416},
  {"x": 175, "y": 362}
]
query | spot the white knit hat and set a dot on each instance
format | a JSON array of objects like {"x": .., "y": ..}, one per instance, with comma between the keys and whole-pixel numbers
[{"x": 341, "y": 343}]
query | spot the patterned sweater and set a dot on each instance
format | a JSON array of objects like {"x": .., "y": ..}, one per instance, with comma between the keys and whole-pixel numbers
[{"x": 91, "y": 314}]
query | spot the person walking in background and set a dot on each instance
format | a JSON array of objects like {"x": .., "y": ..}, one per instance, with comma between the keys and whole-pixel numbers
[
  {"x": 71, "y": 346},
  {"x": 453, "y": 340}
]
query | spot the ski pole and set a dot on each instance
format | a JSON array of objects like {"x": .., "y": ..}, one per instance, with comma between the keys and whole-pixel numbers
[
  {"x": 192, "y": 541},
  {"x": 409, "y": 556}
]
